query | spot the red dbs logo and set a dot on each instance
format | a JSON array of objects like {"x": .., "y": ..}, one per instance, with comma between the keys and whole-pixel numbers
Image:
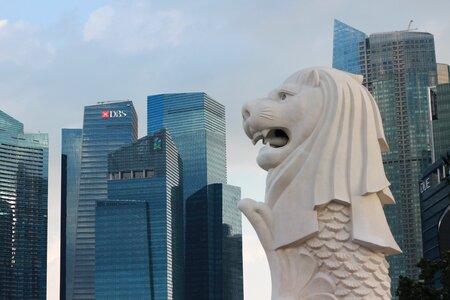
[{"x": 105, "y": 114}]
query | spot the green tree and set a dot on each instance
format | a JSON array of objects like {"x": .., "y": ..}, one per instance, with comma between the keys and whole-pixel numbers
[{"x": 424, "y": 289}]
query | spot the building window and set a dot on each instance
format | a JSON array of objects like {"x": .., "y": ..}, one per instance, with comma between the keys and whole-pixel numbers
[
  {"x": 126, "y": 175},
  {"x": 114, "y": 175},
  {"x": 138, "y": 174}
]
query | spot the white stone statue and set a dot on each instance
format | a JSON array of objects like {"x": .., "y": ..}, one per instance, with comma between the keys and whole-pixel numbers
[{"x": 322, "y": 224}]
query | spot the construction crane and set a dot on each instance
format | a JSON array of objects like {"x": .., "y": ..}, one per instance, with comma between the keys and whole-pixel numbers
[{"x": 409, "y": 26}]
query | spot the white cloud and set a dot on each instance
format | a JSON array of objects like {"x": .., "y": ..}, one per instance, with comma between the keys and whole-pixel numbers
[
  {"x": 20, "y": 44},
  {"x": 3, "y": 23},
  {"x": 135, "y": 28},
  {"x": 98, "y": 23}
]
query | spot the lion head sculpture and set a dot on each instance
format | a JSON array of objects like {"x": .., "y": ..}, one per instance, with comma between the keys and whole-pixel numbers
[{"x": 323, "y": 138}]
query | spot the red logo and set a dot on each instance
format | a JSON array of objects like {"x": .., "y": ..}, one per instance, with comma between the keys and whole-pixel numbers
[{"x": 105, "y": 114}]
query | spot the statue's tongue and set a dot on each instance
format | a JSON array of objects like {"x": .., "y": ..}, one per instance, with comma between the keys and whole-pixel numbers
[{"x": 276, "y": 138}]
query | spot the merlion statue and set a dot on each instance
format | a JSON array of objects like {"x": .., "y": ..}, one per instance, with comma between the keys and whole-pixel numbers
[{"x": 322, "y": 223}]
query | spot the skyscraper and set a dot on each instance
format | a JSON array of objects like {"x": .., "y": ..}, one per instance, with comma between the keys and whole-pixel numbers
[
  {"x": 70, "y": 183},
  {"x": 213, "y": 231},
  {"x": 139, "y": 249},
  {"x": 397, "y": 67},
  {"x": 440, "y": 100},
  {"x": 23, "y": 211},
  {"x": 122, "y": 257},
  {"x": 196, "y": 123},
  {"x": 106, "y": 127},
  {"x": 435, "y": 207}
]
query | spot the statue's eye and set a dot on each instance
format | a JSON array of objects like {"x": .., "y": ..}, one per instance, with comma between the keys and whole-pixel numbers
[{"x": 283, "y": 96}]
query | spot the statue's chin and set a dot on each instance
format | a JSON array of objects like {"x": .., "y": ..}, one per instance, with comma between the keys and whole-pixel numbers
[{"x": 269, "y": 158}]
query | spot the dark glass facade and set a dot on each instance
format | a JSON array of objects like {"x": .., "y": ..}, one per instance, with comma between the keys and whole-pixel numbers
[
  {"x": 23, "y": 211},
  {"x": 435, "y": 203},
  {"x": 441, "y": 116},
  {"x": 106, "y": 127},
  {"x": 70, "y": 182},
  {"x": 122, "y": 258},
  {"x": 213, "y": 228},
  {"x": 213, "y": 243},
  {"x": 147, "y": 171},
  {"x": 400, "y": 66}
]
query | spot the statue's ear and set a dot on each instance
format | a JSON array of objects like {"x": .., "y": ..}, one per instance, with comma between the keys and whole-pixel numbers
[{"x": 312, "y": 79}]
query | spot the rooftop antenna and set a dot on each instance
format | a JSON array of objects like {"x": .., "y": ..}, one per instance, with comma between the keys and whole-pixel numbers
[{"x": 409, "y": 26}]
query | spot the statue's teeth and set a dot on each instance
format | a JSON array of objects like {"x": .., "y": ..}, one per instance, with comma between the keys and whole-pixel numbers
[
  {"x": 256, "y": 137},
  {"x": 265, "y": 132}
]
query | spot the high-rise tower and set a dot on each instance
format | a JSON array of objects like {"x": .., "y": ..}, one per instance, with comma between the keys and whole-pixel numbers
[
  {"x": 397, "y": 67},
  {"x": 23, "y": 211},
  {"x": 106, "y": 127},
  {"x": 70, "y": 183},
  {"x": 440, "y": 102},
  {"x": 139, "y": 229},
  {"x": 196, "y": 123},
  {"x": 213, "y": 250}
]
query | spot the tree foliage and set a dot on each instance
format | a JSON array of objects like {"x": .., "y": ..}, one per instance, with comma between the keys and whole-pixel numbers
[{"x": 425, "y": 288}]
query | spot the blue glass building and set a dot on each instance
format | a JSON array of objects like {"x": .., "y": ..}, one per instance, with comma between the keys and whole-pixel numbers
[
  {"x": 213, "y": 229},
  {"x": 139, "y": 248},
  {"x": 106, "y": 127},
  {"x": 70, "y": 183},
  {"x": 350, "y": 49},
  {"x": 440, "y": 99},
  {"x": 435, "y": 207},
  {"x": 196, "y": 123},
  {"x": 122, "y": 257},
  {"x": 399, "y": 66},
  {"x": 23, "y": 211}
]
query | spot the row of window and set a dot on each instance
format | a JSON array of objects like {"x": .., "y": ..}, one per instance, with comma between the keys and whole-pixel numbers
[{"x": 132, "y": 174}]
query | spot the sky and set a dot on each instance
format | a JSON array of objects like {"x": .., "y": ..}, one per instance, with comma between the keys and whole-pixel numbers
[{"x": 58, "y": 56}]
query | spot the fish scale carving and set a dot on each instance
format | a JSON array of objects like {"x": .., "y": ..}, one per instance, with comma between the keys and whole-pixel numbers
[{"x": 358, "y": 272}]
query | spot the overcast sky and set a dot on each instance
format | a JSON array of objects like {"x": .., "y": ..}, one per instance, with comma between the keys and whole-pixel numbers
[{"x": 58, "y": 56}]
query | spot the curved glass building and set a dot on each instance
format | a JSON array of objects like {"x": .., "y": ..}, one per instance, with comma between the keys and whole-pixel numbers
[{"x": 23, "y": 211}]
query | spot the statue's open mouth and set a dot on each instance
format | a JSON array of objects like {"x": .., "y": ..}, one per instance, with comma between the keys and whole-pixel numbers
[{"x": 275, "y": 138}]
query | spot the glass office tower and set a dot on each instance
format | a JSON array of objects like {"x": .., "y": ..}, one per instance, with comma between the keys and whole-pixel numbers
[
  {"x": 435, "y": 205},
  {"x": 122, "y": 261},
  {"x": 350, "y": 49},
  {"x": 213, "y": 228},
  {"x": 106, "y": 127},
  {"x": 400, "y": 66},
  {"x": 139, "y": 248},
  {"x": 441, "y": 115},
  {"x": 196, "y": 123},
  {"x": 435, "y": 209},
  {"x": 23, "y": 211},
  {"x": 70, "y": 182}
]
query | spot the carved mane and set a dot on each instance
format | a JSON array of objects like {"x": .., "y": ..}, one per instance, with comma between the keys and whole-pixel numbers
[{"x": 340, "y": 161}]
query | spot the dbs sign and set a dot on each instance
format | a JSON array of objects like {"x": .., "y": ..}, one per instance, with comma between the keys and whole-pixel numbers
[{"x": 106, "y": 114}]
